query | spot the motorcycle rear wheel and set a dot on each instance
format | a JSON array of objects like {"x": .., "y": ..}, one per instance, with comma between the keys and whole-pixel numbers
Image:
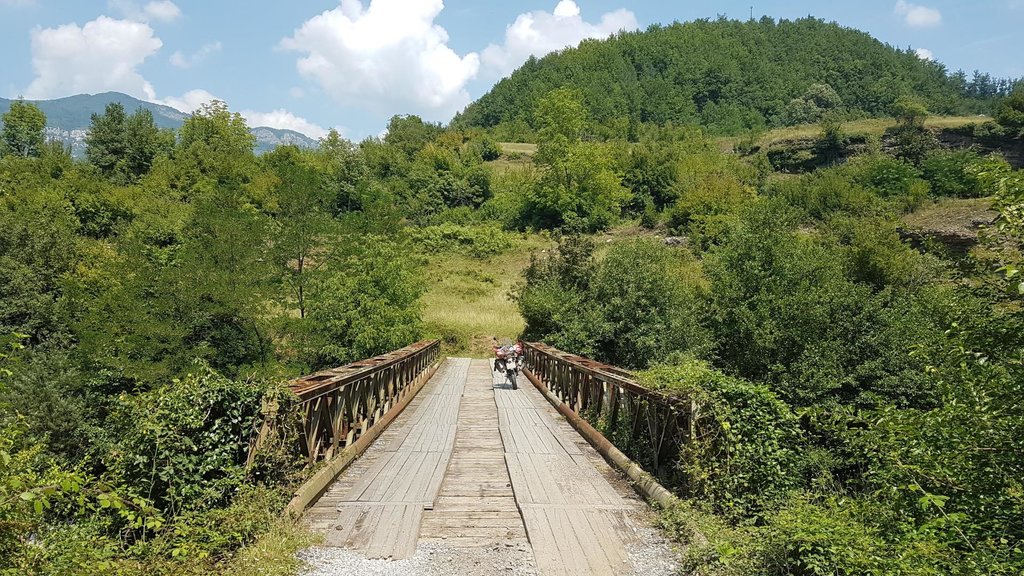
[{"x": 512, "y": 379}]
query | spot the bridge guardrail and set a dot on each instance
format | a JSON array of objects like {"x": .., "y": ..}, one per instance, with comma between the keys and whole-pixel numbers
[
  {"x": 648, "y": 426},
  {"x": 339, "y": 405}
]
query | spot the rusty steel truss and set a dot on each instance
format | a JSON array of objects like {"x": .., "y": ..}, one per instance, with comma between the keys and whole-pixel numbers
[
  {"x": 339, "y": 405},
  {"x": 650, "y": 427}
]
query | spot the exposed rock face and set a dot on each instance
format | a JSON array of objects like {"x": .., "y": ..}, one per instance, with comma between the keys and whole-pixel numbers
[{"x": 676, "y": 241}]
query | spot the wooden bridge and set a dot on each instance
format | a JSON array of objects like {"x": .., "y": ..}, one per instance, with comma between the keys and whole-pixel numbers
[{"x": 416, "y": 454}]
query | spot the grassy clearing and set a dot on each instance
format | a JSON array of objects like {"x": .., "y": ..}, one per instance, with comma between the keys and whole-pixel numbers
[
  {"x": 468, "y": 299},
  {"x": 524, "y": 148},
  {"x": 952, "y": 214},
  {"x": 868, "y": 127}
]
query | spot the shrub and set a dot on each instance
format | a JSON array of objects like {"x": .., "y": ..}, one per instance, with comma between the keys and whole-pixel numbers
[
  {"x": 888, "y": 177},
  {"x": 823, "y": 193},
  {"x": 637, "y": 305},
  {"x": 185, "y": 444},
  {"x": 786, "y": 310},
  {"x": 364, "y": 303},
  {"x": 476, "y": 241},
  {"x": 744, "y": 460},
  {"x": 949, "y": 173}
]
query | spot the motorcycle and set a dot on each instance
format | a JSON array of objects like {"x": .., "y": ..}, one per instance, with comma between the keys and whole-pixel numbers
[{"x": 509, "y": 361}]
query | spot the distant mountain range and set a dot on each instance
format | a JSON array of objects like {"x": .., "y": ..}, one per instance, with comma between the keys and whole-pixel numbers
[{"x": 68, "y": 120}]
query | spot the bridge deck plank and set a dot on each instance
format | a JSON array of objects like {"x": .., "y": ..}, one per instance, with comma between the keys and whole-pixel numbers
[
  {"x": 474, "y": 464},
  {"x": 568, "y": 507},
  {"x": 380, "y": 512}
]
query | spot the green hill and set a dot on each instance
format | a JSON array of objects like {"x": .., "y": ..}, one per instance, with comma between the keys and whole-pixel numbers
[{"x": 730, "y": 77}]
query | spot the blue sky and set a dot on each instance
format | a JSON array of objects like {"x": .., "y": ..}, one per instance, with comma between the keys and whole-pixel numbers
[{"x": 310, "y": 65}]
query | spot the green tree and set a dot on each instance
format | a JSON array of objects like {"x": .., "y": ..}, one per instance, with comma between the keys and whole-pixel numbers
[
  {"x": 124, "y": 147},
  {"x": 38, "y": 248},
  {"x": 22, "y": 133},
  {"x": 410, "y": 133},
  {"x": 1010, "y": 112},
  {"x": 833, "y": 140},
  {"x": 579, "y": 188},
  {"x": 910, "y": 112},
  {"x": 215, "y": 147},
  {"x": 302, "y": 219},
  {"x": 363, "y": 303},
  {"x": 815, "y": 103}
]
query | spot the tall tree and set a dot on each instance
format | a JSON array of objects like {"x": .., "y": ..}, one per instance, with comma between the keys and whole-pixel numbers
[
  {"x": 123, "y": 147},
  {"x": 23, "y": 130},
  {"x": 1010, "y": 112},
  {"x": 215, "y": 146},
  {"x": 302, "y": 218},
  {"x": 579, "y": 189}
]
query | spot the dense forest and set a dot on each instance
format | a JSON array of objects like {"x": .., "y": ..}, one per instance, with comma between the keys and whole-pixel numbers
[
  {"x": 730, "y": 77},
  {"x": 863, "y": 392}
]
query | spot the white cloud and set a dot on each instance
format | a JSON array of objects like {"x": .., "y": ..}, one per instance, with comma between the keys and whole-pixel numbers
[
  {"x": 916, "y": 15},
  {"x": 158, "y": 10},
  {"x": 925, "y": 54},
  {"x": 188, "y": 102},
  {"x": 284, "y": 120},
  {"x": 162, "y": 11},
  {"x": 180, "y": 60},
  {"x": 389, "y": 55},
  {"x": 297, "y": 92},
  {"x": 538, "y": 33},
  {"x": 100, "y": 56}
]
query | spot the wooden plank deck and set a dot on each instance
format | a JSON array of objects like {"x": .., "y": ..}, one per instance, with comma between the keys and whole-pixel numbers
[
  {"x": 570, "y": 510},
  {"x": 379, "y": 513},
  {"x": 474, "y": 464}
]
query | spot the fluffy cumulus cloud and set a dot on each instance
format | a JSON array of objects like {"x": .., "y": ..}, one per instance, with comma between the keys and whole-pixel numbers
[
  {"x": 925, "y": 54},
  {"x": 284, "y": 120},
  {"x": 103, "y": 55},
  {"x": 387, "y": 55},
  {"x": 163, "y": 11},
  {"x": 194, "y": 99},
  {"x": 916, "y": 15},
  {"x": 538, "y": 33},
  {"x": 156, "y": 11},
  {"x": 180, "y": 60},
  {"x": 189, "y": 101}
]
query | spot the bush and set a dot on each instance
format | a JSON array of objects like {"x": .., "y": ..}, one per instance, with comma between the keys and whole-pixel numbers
[
  {"x": 364, "y": 303},
  {"x": 886, "y": 176},
  {"x": 185, "y": 444},
  {"x": 634, "y": 307},
  {"x": 823, "y": 193},
  {"x": 744, "y": 461},
  {"x": 950, "y": 173},
  {"x": 476, "y": 241},
  {"x": 786, "y": 310}
]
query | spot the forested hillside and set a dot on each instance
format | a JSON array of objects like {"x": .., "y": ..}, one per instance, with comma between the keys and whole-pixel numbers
[{"x": 730, "y": 77}]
